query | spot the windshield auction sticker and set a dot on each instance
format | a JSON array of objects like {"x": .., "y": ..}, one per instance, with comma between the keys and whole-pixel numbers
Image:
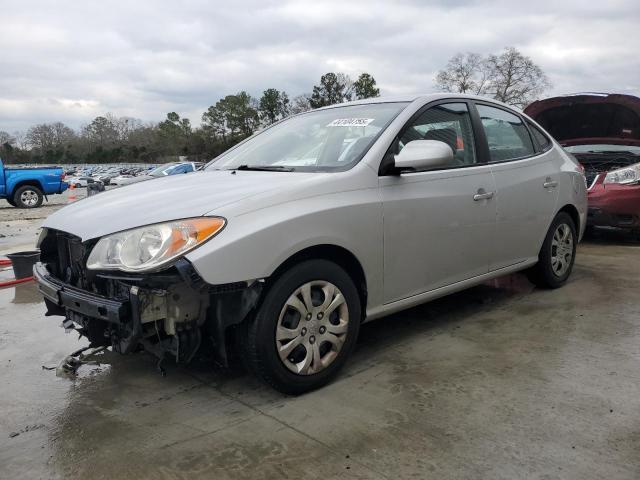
[{"x": 350, "y": 122}]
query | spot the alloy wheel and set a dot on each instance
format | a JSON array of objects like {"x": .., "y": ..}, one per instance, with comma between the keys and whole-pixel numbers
[
  {"x": 561, "y": 249},
  {"x": 29, "y": 198},
  {"x": 312, "y": 327}
]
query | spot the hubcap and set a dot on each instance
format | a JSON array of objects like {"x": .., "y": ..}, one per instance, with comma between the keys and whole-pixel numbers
[
  {"x": 561, "y": 249},
  {"x": 312, "y": 327},
  {"x": 29, "y": 198}
]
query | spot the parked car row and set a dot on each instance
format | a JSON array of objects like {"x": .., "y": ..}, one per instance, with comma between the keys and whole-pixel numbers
[
  {"x": 125, "y": 176},
  {"x": 28, "y": 186},
  {"x": 81, "y": 176},
  {"x": 167, "y": 169}
]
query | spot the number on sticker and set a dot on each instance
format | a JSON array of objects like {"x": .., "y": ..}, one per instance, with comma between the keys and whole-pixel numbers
[{"x": 350, "y": 122}]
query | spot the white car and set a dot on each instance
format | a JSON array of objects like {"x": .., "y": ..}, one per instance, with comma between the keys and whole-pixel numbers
[
  {"x": 121, "y": 180},
  {"x": 80, "y": 181}
]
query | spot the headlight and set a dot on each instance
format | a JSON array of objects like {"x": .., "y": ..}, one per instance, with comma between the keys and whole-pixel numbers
[
  {"x": 625, "y": 175},
  {"x": 153, "y": 246}
]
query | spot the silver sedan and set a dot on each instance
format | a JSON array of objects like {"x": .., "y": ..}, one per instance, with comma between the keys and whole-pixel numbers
[{"x": 285, "y": 244}]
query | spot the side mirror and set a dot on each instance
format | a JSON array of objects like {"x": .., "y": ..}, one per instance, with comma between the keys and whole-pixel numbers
[{"x": 423, "y": 155}]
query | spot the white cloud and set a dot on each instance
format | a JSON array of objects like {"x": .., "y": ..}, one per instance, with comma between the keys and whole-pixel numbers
[{"x": 71, "y": 61}]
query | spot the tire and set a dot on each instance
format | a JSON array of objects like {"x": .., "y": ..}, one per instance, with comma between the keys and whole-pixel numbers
[
  {"x": 11, "y": 202},
  {"x": 553, "y": 269},
  {"x": 322, "y": 344},
  {"x": 28, "y": 196}
]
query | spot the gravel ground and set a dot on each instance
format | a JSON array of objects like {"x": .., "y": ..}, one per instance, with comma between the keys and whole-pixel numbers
[{"x": 19, "y": 227}]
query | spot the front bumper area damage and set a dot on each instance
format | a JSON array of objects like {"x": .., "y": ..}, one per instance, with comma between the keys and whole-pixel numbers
[{"x": 172, "y": 312}]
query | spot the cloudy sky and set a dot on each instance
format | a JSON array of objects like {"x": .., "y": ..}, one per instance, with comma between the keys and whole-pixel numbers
[{"x": 72, "y": 60}]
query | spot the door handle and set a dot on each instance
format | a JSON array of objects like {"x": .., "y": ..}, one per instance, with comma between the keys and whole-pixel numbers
[
  {"x": 550, "y": 183},
  {"x": 482, "y": 195}
]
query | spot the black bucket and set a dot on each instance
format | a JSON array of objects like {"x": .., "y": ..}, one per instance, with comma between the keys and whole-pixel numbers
[
  {"x": 23, "y": 263},
  {"x": 94, "y": 188}
]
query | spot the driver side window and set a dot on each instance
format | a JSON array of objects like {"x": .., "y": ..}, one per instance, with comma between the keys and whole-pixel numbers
[{"x": 449, "y": 123}]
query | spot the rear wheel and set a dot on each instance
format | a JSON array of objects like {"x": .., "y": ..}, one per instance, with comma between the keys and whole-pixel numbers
[
  {"x": 305, "y": 328},
  {"x": 557, "y": 255},
  {"x": 11, "y": 202},
  {"x": 28, "y": 196}
]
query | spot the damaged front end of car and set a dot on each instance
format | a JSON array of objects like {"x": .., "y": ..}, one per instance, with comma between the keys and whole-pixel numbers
[{"x": 168, "y": 312}]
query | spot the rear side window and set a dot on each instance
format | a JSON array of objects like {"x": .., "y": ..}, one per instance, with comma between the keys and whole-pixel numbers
[
  {"x": 541, "y": 139},
  {"x": 507, "y": 136}
]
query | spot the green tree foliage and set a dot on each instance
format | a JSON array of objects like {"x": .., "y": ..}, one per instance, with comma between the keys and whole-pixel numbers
[
  {"x": 333, "y": 88},
  {"x": 273, "y": 106},
  {"x": 233, "y": 116},
  {"x": 175, "y": 134},
  {"x": 365, "y": 87}
]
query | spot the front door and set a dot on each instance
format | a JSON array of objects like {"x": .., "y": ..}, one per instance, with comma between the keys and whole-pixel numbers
[{"x": 437, "y": 223}]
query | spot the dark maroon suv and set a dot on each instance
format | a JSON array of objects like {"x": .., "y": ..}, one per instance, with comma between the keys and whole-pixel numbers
[{"x": 603, "y": 132}]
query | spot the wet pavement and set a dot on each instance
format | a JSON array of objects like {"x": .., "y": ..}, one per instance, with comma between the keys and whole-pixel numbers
[{"x": 502, "y": 381}]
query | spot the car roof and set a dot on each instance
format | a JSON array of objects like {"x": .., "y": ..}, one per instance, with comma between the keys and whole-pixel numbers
[{"x": 423, "y": 98}]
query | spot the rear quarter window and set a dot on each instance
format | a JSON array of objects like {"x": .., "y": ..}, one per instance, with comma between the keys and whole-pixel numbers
[{"x": 543, "y": 142}]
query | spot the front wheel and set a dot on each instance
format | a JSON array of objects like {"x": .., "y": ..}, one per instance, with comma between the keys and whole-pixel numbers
[
  {"x": 28, "y": 196},
  {"x": 305, "y": 328},
  {"x": 557, "y": 255}
]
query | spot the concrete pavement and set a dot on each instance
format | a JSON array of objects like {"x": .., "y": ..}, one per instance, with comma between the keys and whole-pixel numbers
[{"x": 502, "y": 381}]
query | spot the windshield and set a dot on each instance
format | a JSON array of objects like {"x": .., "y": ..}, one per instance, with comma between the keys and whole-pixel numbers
[
  {"x": 602, "y": 148},
  {"x": 318, "y": 141},
  {"x": 161, "y": 170}
]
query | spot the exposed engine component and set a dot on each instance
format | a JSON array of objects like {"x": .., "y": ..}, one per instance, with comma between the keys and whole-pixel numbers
[
  {"x": 166, "y": 313},
  {"x": 603, "y": 162}
]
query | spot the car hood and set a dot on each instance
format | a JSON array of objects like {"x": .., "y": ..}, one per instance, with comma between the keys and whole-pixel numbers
[
  {"x": 589, "y": 119},
  {"x": 170, "y": 198}
]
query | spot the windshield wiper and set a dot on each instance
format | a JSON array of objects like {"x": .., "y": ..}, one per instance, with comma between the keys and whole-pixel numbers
[{"x": 264, "y": 168}]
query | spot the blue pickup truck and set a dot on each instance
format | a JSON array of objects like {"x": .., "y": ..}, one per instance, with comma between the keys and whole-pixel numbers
[{"x": 26, "y": 187}]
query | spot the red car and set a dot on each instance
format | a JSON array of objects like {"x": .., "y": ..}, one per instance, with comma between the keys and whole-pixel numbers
[{"x": 603, "y": 132}]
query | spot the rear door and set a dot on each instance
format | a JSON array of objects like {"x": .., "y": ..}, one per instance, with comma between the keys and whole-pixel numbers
[
  {"x": 437, "y": 223},
  {"x": 526, "y": 186}
]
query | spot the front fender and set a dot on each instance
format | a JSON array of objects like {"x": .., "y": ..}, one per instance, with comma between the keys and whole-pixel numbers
[{"x": 253, "y": 245}]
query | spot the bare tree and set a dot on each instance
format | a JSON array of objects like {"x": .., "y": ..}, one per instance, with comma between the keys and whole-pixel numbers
[
  {"x": 46, "y": 136},
  {"x": 514, "y": 78},
  {"x": 464, "y": 73},
  {"x": 300, "y": 104},
  {"x": 509, "y": 77},
  {"x": 6, "y": 138}
]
